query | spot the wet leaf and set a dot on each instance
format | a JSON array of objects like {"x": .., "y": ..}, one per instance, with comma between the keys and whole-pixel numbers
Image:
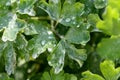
[
  {"x": 56, "y": 58},
  {"x": 44, "y": 40},
  {"x": 10, "y": 58},
  {"x": 77, "y": 36},
  {"x": 26, "y": 7}
]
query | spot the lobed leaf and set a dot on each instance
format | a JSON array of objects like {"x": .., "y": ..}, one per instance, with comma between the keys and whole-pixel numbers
[
  {"x": 56, "y": 58},
  {"x": 108, "y": 48}
]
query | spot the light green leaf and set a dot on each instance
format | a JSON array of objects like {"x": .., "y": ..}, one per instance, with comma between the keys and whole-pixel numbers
[
  {"x": 110, "y": 23},
  {"x": 26, "y": 7},
  {"x": 10, "y": 58},
  {"x": 14, "y": 26},
  {"x": 77, "y": 35},
  {"x": 109, "y": 48},
  {"x": 61, "y": 76},
  {"x": 87, "y": 75},
  {"x": 4, "y": 76},
  {"x": 100, "y": 3},
  {"x": 79, "y": 55},
  {"x": 108, "y": 70},
  {"x": 43, "y": 40},
  {"x": 56, "y": 58}
]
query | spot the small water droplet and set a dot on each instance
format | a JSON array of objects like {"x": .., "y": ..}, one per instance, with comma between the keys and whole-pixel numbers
[
  {"x": 73, "y": 17},
  {"x": 67, "y": 20},
  {"x": 49, "y": 32},
  {"x": 43, "y": 42},
  {"x": 35, "y": 56}
]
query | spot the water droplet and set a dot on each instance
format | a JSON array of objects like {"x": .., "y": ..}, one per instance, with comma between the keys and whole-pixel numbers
[
  {"x": 67, "y": 20},
  {"x": 49, "y": 32},
  {"x": 78, "y": 25},
  {"x": 50, "y": 49},
  {"x": 1, "y": 24},
  {"x": 35, "y": 56},
  {"x": 74, "y": 22},
  {"x": 73, "y": 17},
  {"x": 43, "y": 42},
  {"x": 50, "y": 37}
]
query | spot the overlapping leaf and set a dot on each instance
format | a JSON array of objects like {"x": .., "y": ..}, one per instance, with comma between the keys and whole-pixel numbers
[
  {"x": 69, "y": 15},
  {"x": 108, "y": 70},
  {"x": 10, "y": 58},
  {"x": 79, "y": 55},
  {"x": 56, "y": 58},
  {"x": 43, "y": 40},
  {"x": 26, "y": 7},
  {"x": 12, "y": 26},
  {"x": 61, "y": 76},
  {"x": 110, "y": 23},
  {"x": 78, "y": 35},
  {"x": 100, "y": 3},
  {"x": 109, "y": 48},
  {"x": 4, "y": 76}
]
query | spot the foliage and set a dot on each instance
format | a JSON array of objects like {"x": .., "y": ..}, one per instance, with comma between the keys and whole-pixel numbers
[{"x": 59, "y": 39}]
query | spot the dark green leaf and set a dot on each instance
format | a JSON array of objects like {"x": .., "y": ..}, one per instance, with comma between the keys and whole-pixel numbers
[
  {"x": 4, "y": 76},
  {"x": 56, "y": 58},
  {"x": 26, "y": 7},
  {"x": 79, "y": 55},
  {"x": 44, "y": 40},
  {"x": 78, "y": 36},
  {"x": 10, "y": 58}
]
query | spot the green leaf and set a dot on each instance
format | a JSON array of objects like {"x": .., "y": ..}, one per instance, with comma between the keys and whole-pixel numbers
[
  {"x": 56, "y": 58},
  {"x": 77, "y": 35},
  {"x": 10, "y": 58},
  {"x": 43, "y": 40},
  {"x": 69, "y": 15},
  {"x": 21, "y": 44},
  {"x": 4, "y": 76},
  {"x": 26, "y": 7},
  {"x": 108, "y": 70},
  {"x": 53, "y": 8},
  {"x": 110, "y": 23},
  {"x": 100, "y": 3},
  {"x": 4, "y": 3},
  {"x": 87, "y": 75},
  {"x": 108, "y": 48},
  {"x": 14, "y": 26},
  {"x": 61, "y": 76},
  {"x": 79, "y": 55}
]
